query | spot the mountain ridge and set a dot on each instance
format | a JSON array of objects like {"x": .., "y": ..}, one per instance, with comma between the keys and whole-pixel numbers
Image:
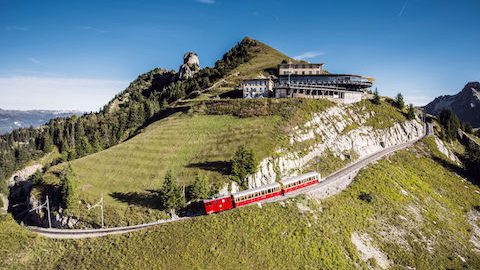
[{"x": 465, "y": 104}]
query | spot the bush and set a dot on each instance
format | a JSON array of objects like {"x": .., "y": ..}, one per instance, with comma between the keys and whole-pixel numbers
[
  {"x": 37, "y": 177},
  {"x": 365, "y": 197}
]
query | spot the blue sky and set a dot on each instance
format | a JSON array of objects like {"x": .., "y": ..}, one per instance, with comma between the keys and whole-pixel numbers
[{"x": 79, "y": 54}]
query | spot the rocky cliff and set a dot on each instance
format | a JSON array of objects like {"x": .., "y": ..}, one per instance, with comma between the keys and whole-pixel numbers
[
  {"x": 465, "y": 104},
  {"x": 341, "y": 131},
  {"x": 190, "y": 66}
]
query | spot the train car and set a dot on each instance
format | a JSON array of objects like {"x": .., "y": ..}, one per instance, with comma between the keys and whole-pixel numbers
[
  {"x": 217, "y": 205},
  {"x": 257, "y": 194},
  {"x": 298, "y": 182}
]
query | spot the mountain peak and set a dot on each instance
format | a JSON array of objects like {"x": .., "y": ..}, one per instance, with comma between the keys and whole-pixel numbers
[{"x": 465, "y": 104}]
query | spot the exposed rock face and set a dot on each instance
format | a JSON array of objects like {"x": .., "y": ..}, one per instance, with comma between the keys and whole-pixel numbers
[
  {"x": 190, "y": 66},
  {"x": 444, "y": 150},
  {"x": 327, "y": 128},
  {"x": 23, "y": 174},
  {"x": 466, "y": 104}
]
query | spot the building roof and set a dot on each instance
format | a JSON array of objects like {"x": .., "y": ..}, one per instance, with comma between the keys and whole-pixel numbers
[
  {"x": 296, "y": 178},
  {"x": 301, "y": 64},
  {"x": 257, "y": 79},
  {"x": 255, "y": 190},
  {"x": 324, "y": 75}
]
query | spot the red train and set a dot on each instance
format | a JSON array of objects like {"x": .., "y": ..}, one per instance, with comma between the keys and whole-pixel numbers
[{"x": 261, "y": 193}]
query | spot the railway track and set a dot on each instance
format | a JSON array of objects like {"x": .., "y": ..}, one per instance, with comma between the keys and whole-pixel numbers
[{"x": 346, "y": 173}]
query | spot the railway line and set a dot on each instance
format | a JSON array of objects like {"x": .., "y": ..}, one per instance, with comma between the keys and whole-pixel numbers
[{"x": 339, "y": 179}]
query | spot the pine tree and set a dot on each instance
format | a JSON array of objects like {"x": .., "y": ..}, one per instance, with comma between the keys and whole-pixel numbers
[
  {"x": 171, "y": 195},
  {"x": 411, "y": 112},
  {"x": 244, "y": 163},
  {"x": 399, "y": 102},
  {"x": 68, "y": 189},
  {"x": 376, "y": 97},
  {"x": 199, "y": 188}
]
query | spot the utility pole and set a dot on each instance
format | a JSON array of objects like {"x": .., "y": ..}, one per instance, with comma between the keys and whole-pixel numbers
[
  {"x": 48, "y": 212},
  {"x": 99, "y": 204},
  {"x": 45, "y": 205}
]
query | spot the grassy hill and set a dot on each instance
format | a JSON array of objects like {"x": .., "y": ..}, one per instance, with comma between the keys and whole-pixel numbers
[
  {"x": 419, "y": 216},
  {"x": 263, "y": 62},
  {"x": 201, "y": 141}
]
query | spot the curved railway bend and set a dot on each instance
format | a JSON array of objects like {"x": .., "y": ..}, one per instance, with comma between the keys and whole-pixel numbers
[{"x": 332, "y": 184}]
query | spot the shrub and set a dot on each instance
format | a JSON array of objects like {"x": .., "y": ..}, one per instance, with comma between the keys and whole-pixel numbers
[
  {"x": 366, "y": 197},
  {"x": 37, "y": 177}
]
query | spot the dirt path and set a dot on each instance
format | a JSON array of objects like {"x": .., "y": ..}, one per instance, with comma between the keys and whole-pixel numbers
[{"x": 5, "y": 203}]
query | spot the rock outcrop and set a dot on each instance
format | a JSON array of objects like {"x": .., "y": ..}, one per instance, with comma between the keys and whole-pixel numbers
[
  {"x": 332, "y": 131},
  {"x": 465, "y": 104},
  {"x": 190, "y": 66}
]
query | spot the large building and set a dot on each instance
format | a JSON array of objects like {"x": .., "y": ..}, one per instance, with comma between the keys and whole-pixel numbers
[
  {"x": 300, "y": 69},
  {"x": 306, "y": 80},
  {"x": 345, "y": 88},
  {"x": 257, "y": 88}
]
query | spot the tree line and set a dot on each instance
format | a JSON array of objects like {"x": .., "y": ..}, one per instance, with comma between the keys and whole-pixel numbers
[{"x": 148, "y": 95}]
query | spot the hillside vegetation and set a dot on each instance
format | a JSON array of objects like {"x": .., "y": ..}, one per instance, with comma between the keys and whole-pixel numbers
[
  {"x": 417, "y": 214},
  {"x": 200, "y": 142},
  {"x": 145, "y": 100}
]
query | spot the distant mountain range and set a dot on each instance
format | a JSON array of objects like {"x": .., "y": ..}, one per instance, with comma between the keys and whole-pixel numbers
[
  {"x": 465, "y": 104},
  {"x": 12, "y": 119}
]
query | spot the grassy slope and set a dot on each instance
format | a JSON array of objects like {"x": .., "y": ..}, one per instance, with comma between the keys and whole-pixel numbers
[
  {"x": 187, "y": 144},
  {"x": 418, "y": 205},
  {"x": 265, "y": 60},
  {"x": 174, "y": 143}
]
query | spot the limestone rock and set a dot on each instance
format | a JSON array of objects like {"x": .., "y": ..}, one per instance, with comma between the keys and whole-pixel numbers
[
  {"x": 328, "y": 128},
  {"x": 190, "y": 66}
]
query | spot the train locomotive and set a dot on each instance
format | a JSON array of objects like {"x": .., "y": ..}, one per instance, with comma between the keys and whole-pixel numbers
[{"x": 265, "y": 192}]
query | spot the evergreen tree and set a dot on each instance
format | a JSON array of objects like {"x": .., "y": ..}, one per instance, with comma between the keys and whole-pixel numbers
[
  {"x": 399, "y": 102},
  {"x": 376, "y": 97},
  {"x": 411, "y": 112},
  {"x": 244, "y": 163},
  {"x": 472, "y": 163},
  {"x": 199, "y": 188},
  {"x": 450, "y": 124},
  {"x": 171, "y": 195},
  {"x": 68, "y": 189}
]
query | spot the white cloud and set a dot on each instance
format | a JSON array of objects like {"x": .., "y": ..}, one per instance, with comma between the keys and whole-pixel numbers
[
  {"x": 91, "y": 28},
  {"x": 33, "y": 60},
  {"x": 309, "y": 55},
  {"x": 418, "y": 100},
  {"x": 403, "y": 8},
  {"x": 16, "y": 28},
  {"x": 29, "y": 92},
  {"x": 208, "y": 2}
]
